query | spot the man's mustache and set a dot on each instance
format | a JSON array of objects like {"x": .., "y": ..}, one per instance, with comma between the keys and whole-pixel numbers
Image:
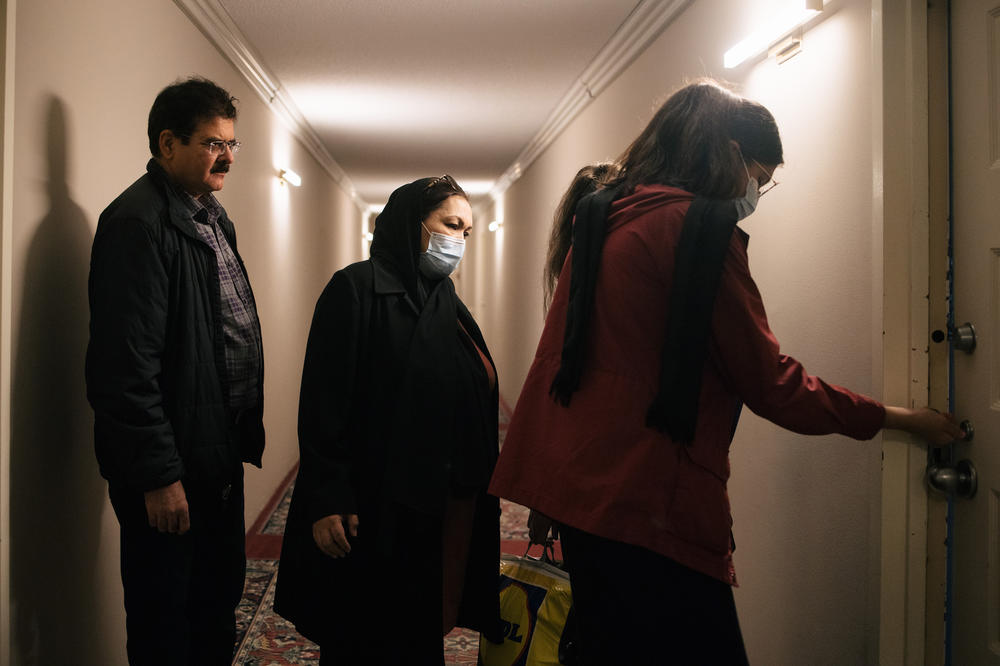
[{"x": 220, "y": 168}]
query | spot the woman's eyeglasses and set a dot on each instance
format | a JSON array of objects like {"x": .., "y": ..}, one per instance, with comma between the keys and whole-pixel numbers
[
  {"x": 447, "y": 180},
  {"x": 772, "y": 183}
]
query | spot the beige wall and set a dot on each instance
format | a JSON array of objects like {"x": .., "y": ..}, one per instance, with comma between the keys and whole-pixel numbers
[
  {"x": 85, "y": 76},
  {"x": 805, "y": 509}
]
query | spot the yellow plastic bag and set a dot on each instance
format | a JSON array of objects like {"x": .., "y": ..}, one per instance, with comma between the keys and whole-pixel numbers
[{"x": 535, "y": 599}]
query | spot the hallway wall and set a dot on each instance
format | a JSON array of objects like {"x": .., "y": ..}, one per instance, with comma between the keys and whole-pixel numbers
[
  {"x": 807, "y": 544},
  {"x": 86, "y": 75}
]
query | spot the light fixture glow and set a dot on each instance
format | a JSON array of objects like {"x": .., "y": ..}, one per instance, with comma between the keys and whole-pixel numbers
[
  {"x": 476, "y": 187},
  {"x": 369, "y": 236},
  {"x": 498, "y": 213},
  {"x": 774, "y": 29},
  {"x": 290, "y": 177}
]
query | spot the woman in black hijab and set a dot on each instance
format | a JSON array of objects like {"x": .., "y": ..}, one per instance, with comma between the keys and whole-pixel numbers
[{"x": 391, "y": 540}]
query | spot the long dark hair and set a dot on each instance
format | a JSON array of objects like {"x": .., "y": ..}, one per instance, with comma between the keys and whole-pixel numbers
[
  {"x": 695, "y": 141},
  {"x": 586, "y": 180},
  {"x": 687, "y": 144}
]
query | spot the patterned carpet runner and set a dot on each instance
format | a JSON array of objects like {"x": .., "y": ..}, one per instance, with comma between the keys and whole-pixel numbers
[{"x": 266, "y": 639}]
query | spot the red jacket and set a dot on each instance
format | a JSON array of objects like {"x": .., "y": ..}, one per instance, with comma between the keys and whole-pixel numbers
[{"x": 594, "y": 465}]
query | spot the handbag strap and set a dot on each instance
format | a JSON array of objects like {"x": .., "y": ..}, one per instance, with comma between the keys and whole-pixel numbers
[{"x": 548, "y": 554}]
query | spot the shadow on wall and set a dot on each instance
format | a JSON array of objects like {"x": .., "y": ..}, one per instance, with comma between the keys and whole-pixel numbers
[{"x": 57, "y": 493}]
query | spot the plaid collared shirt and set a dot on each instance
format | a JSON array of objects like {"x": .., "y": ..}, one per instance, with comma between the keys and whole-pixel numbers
[{"x": 239, "y": 315}]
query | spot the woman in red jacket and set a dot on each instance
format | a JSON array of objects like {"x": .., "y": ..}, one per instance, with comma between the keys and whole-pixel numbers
[{"x": 655, "y": 339}]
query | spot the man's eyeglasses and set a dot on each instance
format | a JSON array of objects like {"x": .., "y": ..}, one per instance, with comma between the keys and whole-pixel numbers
[{"x": 218, "y": 146}]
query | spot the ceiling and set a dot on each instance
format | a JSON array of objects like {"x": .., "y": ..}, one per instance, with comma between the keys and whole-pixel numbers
[{"x": 394, "y": 90}]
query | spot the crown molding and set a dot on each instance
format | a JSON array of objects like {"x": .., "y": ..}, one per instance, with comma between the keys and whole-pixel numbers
[
  {"x": 636, "y": 33},
  {"x": 211, "y": 18},
  {"x": 644, "y": 24}
]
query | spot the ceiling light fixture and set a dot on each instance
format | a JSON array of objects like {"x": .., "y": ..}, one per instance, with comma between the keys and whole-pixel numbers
[
  {"x": 778, "y": 26},
  {"x": 290, "y": 177}
]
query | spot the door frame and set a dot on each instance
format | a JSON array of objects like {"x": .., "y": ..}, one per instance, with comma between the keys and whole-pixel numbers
[
  {"x": 939, "y": 211},
  {"x": 911, "y": 184},
  {"x": 7, "y": 27}
]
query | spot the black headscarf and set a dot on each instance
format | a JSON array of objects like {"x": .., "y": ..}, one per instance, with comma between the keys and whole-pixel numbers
[
  {"x": 396, "y": 241},
  {"x": 442, "y": 438},
  {"x": 704, "y": 240}
]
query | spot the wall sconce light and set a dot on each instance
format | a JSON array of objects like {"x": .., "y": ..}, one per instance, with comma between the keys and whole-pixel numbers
[
  {"x": 290, "y": 177},
  {"x": 494, "y": 225},
  {"x": 777, "y": 27},
  {"x": 787, "y": 48},
  {"x": 369, "y": 236}
]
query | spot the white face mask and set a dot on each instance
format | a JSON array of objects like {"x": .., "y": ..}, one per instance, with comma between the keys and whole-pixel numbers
[
  {"x": 442, "y": 255},
  {"x": 746, "y": 204}
]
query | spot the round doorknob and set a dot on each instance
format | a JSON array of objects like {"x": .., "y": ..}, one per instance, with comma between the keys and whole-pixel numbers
[
  {"x": 964, "y": 338},
  {"x": 957, "y": 481}
]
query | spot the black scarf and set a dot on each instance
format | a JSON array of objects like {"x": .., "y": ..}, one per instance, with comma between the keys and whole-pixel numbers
[
  {"x": 437, "y": 424},
  {"x": 708, "y": 227},
  {"x": 589, "y": 229},
  {"x": 396, "y": 240}
]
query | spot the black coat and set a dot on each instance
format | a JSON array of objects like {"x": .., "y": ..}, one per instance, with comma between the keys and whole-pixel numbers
[
  {"x": 354, "y": 427},
  {"x": 156, "y": 356}
]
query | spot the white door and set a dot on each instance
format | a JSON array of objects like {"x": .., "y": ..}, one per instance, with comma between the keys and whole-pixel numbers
[{"x": 975, "y": 36}]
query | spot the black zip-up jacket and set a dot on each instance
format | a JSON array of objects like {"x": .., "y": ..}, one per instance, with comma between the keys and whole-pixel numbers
[{"x": 156, "y": 358}]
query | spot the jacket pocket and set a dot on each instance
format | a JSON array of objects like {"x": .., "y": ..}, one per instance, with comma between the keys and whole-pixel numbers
[{"x": 700, "y": 511}]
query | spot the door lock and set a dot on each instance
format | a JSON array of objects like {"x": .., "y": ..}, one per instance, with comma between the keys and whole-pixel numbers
[
  {"x": 962, "y": 337},
  {"x": 947, "y": 477}
]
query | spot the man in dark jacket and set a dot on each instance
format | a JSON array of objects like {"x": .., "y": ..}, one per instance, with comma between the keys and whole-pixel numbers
[{"x": 175, "y": 377}]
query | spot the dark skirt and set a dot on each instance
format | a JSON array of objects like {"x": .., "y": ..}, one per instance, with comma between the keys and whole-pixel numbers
[
  {"x": 637, "y": 607},
  {"x": 385, "y": 601}
]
